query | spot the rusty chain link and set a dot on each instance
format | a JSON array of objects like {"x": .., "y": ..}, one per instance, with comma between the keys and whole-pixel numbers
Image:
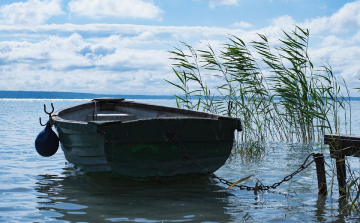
[{"x": 172, "y": 136}]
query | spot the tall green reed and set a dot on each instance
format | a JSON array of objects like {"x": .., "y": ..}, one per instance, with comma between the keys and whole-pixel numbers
[{"x": 279, "y": 96}]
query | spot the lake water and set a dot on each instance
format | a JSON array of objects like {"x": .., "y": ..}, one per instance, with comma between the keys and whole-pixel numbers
[{"x": 38, "y": 189}]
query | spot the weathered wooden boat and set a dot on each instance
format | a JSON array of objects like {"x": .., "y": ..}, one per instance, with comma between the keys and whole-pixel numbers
[{"x": 139, "y": 140}]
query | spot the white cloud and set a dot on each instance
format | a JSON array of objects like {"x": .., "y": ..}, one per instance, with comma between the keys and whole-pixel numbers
[
  {"x": 348, "y": 17},
  {"x": 242, "y": 24},
  {"x": 114, "y": 8},
  {"x": 356, "y": 37},
  {"x": 275, "y": 30},
  {"x": 143, "y": 33},
  {"x": 30, "y": 12},
  {"x": 214, "y": 3},
  {"x": 283, "y": 22},
  {"x": 133, "y": 59},
  {"x": 74, "y": 63},
  {"x": 331, "y": 40}
]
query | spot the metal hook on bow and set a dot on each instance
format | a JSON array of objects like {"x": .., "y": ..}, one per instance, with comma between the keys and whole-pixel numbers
[
  {"x": 41, "y": 122},
  {"x": 49, "y": 113}
]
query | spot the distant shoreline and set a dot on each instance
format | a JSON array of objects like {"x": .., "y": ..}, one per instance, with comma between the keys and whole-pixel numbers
[
  {"x": 75, "y": 95},
  {"x": 72, "y": 95}
]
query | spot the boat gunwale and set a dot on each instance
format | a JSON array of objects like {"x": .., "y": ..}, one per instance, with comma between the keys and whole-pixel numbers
[{"x": 56, "y": 116}]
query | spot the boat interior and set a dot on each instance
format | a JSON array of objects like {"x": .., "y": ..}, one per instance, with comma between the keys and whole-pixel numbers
[{"x": 121, "y": 110}]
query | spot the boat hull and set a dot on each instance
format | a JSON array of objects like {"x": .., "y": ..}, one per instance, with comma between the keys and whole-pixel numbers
[
  {"x": 158, "y": 146},
  {"x": 153, "y": 147}
]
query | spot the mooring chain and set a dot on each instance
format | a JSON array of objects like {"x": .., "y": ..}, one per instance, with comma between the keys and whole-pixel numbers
[
  {"x": 172, "y": 136},
  {"x": 290, "y": 176}
]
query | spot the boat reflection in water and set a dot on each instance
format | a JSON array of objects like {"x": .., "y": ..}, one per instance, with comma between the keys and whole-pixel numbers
[{"x": 97, "y": 198}]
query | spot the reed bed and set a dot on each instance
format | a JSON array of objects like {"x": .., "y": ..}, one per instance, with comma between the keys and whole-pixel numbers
[{"x": 279, "y": 96}]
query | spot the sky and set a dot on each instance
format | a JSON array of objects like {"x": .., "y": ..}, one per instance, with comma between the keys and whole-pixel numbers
[{"x": 122, "y": 46}]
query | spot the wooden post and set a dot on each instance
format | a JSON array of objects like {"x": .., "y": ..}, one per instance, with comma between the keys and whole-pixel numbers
[
  {"x": 341, "y": 174},
  {"x": 341, "y": 146},
  {"x": 320, "y": 170}
]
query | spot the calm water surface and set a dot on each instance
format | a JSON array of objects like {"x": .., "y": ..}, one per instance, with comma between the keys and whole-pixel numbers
[{"x": 38, "y": 189}]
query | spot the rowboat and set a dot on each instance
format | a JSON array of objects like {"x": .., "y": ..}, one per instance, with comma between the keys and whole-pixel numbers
[{"x": 138, "y": 140}]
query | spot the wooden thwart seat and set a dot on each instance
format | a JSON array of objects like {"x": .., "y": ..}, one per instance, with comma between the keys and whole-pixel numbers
[{"x": 111, "y": 117}]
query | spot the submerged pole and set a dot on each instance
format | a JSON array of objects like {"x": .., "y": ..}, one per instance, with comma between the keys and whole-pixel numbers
[
  {"x": 341, "y": 174},
  {"x": 320, "y": 170}
]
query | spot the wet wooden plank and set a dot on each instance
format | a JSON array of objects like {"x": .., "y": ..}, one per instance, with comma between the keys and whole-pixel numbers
[{"x": 343, "y": 145}]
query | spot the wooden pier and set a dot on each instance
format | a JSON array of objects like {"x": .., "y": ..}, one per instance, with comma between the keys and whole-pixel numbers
[{"x": 341, "y": 146}]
